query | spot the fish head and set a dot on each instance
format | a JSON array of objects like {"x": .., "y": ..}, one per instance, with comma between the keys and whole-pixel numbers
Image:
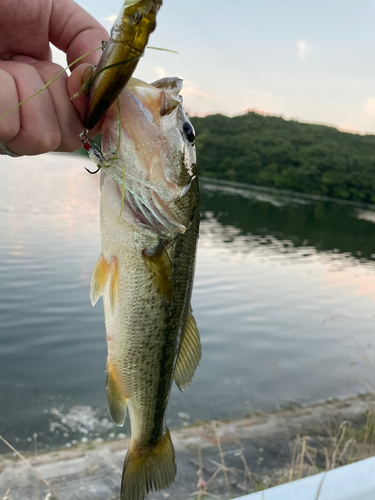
[
  {"x": 153, "y": 143},
  {"x": 127, "y": 43}
]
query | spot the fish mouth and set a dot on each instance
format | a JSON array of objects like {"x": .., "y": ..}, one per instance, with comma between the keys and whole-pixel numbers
[
  {"x": 129, "y": 37},
  {"x": 152, "y": 165}
]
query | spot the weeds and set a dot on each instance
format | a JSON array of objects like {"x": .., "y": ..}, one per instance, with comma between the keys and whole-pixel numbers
[
  {"x": 232, "y": 473},
  {"x": 52, "y": 495},
  {"x": 323, "y": 449}
]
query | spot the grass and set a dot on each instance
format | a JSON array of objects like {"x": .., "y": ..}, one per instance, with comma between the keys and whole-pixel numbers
[
  {"x": 51, "y": 495},
  {"x": 322, "y": 448},
  {"x": 325, "y": 448}
]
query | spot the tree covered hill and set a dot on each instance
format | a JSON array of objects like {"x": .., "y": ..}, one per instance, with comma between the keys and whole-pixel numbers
[{"x": 271, "y": 151}]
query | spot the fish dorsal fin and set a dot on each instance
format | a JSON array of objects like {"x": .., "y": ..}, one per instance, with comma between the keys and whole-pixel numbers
[
  {"x": 115, "y": 397},
  {"x": 104, "y": 272},
  {"x": 99, "y": 279},
  {"x": 160, "y": 266},
  {"x": 189, "y": 354}
]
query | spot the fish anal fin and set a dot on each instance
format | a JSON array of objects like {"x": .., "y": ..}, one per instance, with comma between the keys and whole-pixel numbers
[
  {"x": 148, "y": 468},
  {"x": 99, "y": 279},
  {"x": 189, "y": 354},
  {"x": 115, "y": 396},
  {"x": 160, "y": 266},
  {"x": 113, "y": 284}
]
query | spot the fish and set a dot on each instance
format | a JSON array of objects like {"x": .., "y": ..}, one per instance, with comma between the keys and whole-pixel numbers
[
  {"x": 149, "y": 217},
  {"x": 126, "y": 45}
]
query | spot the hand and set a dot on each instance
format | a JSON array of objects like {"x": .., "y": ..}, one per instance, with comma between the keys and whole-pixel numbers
[{"x": 50, "y": 121}]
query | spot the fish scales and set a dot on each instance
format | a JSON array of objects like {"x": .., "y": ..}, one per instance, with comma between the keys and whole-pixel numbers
[{"x": 149, "y": 229}]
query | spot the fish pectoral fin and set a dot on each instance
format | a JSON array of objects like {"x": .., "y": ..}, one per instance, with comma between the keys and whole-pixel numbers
[
  {"x": 148, "y": 468},
  {"x": 161, "y": 268},
  {"x": 99, "y": 279},
  {"x": 104, "y": 271},
  {"x": 115, "y": 397},
  {"x": 189, "y": 355}
]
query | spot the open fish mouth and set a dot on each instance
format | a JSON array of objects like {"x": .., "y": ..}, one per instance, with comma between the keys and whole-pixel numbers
[{"x": 153, "y": 155}]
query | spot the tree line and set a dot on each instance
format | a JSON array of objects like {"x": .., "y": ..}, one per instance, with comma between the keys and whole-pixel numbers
[{"x": 287, "y": 154}]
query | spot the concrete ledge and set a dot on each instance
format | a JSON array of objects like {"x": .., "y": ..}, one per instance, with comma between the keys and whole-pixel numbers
[{"x": 351, "y": 482}]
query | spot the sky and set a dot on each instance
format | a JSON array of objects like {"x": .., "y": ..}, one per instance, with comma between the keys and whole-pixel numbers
[{"x": 310, "y": 60}]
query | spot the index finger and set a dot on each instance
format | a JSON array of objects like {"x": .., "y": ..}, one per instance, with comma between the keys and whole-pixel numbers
[{"x": 75, "y": 31}]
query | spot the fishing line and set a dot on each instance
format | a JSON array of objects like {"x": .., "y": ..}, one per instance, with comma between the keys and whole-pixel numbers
[
  {"x": 165, "y": 50},
  {"x": 85, "y": 85},
  {"x": 45, "y": 87}
]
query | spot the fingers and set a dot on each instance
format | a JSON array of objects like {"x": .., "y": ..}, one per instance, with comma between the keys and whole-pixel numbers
[
  {"x": 74, "y": 31},
  {"x": 10, "y": 123},
  {"x": 39, "y": 129},
  {"x": 68, "y": 118},
  {"x": 78, "y": 77},
  {"x": 48, "y": 121}
]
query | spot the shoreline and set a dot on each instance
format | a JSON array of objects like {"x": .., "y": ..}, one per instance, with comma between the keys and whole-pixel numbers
[{"x": 237, "y": 456}]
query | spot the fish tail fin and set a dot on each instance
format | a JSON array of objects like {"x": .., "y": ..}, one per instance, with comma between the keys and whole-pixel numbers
[{"x": 146, "y": 469}]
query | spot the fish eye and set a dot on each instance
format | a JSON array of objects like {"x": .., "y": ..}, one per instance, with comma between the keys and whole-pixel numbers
[
  {"x": 189, "y": 132},
  {"x": 136, "y": 17}
]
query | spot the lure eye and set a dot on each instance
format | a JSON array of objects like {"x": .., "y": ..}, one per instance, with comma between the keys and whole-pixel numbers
[
  {"x": 189, "y": 132},
  {"x": 136, "y": 17}
]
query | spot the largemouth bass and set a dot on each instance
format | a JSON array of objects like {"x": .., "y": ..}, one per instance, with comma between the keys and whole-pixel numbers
[
  {"x": 126, "y": 45},
  {"x": 149, "y": 213}
]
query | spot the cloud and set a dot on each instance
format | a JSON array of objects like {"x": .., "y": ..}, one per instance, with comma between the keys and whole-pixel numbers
[
  {"x": 369, "y": 107},
  {"x": 191, "y": 89},
  {"x": 160, "y": 72},
  {"x": 263, "y": 102},
  {"x": 303, "y": 50},
  {"x": 112, "y": 18}
]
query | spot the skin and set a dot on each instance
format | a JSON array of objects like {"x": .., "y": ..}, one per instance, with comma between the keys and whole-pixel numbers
[{"x": 50, "y": 121}]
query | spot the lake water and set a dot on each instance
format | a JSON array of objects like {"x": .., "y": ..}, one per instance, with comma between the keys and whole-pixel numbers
[{"x": 284, "y": 299}]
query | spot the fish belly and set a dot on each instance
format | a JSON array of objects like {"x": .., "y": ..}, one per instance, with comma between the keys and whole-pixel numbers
[{"x": 144, "y": 327}]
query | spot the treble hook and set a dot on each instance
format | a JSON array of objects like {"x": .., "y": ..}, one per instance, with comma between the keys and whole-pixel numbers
[
  {"x": 93, "y": 150},
  {"x": 92, "y": 173}
]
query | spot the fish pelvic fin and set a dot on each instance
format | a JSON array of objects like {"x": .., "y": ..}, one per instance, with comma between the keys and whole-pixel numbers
[
  {"x": 99, "y": 279},
  {"x": 148, "y": 468},
  {"x": 160, "y": 266},
  {"x": 189, "y": 355},
  {"x": 115, "y": 396}
]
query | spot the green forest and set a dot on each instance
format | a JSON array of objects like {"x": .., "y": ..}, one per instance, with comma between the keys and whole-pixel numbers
[{"x": 286, "y": 154}]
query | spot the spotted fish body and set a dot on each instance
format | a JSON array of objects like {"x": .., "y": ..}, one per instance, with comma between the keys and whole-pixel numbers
[{"x": 149, "y": 226}]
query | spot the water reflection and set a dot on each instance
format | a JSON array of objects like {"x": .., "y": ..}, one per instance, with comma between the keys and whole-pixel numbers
[
  {"x": 284, "y": 293},
  {"x": 287, "y": 222}
]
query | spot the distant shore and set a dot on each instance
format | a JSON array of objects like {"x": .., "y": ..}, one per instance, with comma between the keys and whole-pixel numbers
[
  {"x": 287, "y": 154},
  {"x": 256, "y": 452}
]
